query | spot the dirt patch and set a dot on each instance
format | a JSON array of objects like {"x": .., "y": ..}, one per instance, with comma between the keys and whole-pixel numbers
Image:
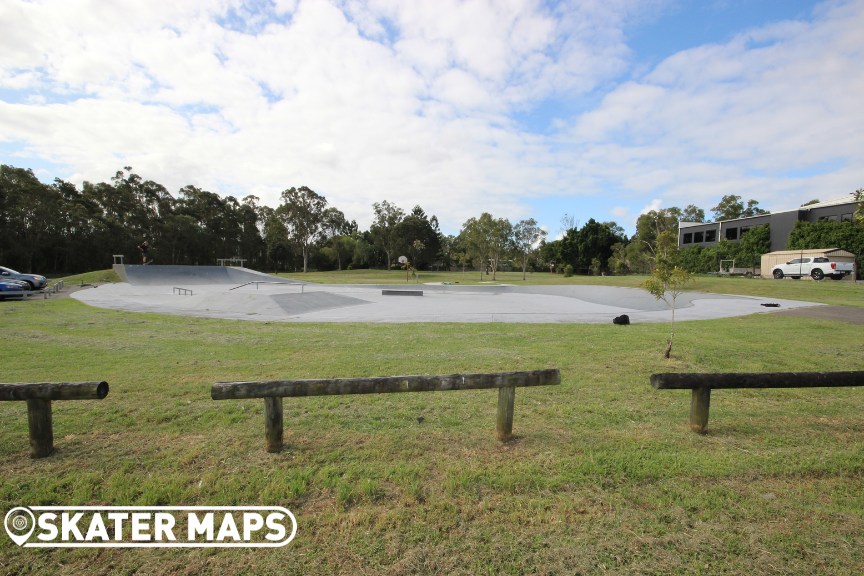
[{"x": 836, "y": 313}]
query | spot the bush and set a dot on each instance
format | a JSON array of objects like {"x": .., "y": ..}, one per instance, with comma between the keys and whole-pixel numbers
[{"x": 568, "y": 271}]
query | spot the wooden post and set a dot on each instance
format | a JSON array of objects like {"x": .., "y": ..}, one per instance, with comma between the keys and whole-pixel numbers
[
  {"x": 504, "y": 421},
  {"x": 41, "y": 428},
  {"x": 700, "y": 403},
  {"x": 273, "y": 423}
]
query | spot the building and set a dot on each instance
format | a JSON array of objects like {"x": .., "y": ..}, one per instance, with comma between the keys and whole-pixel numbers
[{"x": 781, "y": 223}]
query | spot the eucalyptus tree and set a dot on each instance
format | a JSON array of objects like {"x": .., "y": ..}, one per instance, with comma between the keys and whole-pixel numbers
[
  {"x": 251, "y": 244},
  {"x": 337, "y": 233},
  {"x": 302, "y": 213},
  {"x": 657, "y": 233},
  {"x": 488, "y": 239},
  {"x": 693, "y": 213},
  {"x": 732, "y": 207},
  {"x": 384, "y": 229},
  {"x": 527, "y": 238}
]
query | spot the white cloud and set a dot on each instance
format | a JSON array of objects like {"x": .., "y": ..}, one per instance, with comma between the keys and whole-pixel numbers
[
  {"x": 748, "y": 117},
  {"x": 416, "y": 102}
]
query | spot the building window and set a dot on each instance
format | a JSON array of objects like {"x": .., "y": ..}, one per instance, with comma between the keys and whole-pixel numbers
[
  {"x": 698, "y": 237},
  {"x": 688, "y": 238},
  {"x": 744, "y": 230},
  {"x": 710, "y": 236},
  {"x": 846, "y": 217},
  {"x": 731, "y": 233}
]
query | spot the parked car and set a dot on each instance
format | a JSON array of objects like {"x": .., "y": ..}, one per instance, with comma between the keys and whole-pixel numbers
[
  {"x": 35, "y": 281},
  {"x": 13, "y": 289},
  {"x": 817, "y": 268}
]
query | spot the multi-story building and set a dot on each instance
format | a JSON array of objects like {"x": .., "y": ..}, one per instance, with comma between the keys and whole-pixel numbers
[{"x": 781, "y": 223}]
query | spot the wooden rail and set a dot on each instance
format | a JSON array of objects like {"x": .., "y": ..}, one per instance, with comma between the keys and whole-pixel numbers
[
  {"x": 39, "y": 396},
  {"x": 702, "y": 384},
  {"x": 273, "y": 391}
]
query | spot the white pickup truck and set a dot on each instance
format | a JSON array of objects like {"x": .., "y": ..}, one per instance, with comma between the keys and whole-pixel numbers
[{"x": 817, "y": 268}]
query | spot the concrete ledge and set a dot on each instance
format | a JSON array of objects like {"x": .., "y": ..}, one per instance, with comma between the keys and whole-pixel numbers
[{"x": 401, "y": 292}]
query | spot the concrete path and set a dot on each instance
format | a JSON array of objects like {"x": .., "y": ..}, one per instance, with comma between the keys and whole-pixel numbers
[{"x": 238, "y": 293}]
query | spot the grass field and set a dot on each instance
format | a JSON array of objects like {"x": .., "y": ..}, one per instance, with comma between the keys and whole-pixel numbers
[{"x": 603, "y": 476}]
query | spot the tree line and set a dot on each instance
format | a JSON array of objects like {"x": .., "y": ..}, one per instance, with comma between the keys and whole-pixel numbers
[{"x": 61, "y": 228}]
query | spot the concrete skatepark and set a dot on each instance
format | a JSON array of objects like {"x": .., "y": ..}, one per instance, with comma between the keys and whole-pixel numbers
[{"x": 243, "y": 294}]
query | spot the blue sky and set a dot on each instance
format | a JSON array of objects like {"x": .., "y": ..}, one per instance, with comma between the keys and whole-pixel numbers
[{"x": 522, "y": 109}]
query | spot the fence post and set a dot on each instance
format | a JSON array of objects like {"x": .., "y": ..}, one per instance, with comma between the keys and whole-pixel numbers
[
  {"x": 504, "y": 420},
  {"x": 273, "y": 423},
  {"x": 41, "y": 428},
  {"x": 700, "y": 403}
]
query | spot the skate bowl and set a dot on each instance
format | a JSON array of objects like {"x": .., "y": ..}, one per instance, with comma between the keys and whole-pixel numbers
[{"x": 242, "y": 294}]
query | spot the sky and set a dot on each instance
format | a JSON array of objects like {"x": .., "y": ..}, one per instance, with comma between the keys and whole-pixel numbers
[{"x": 549, "y": 110}]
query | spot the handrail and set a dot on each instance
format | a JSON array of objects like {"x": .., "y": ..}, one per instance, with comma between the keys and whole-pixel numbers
[{"x": 257, "y": 282}]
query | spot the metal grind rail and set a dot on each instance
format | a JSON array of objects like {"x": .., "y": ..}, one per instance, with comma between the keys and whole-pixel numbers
[{"x": 258, "y": 282}]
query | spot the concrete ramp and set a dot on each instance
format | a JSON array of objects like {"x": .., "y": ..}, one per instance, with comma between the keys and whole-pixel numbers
[
  {"x": 161, "y": 275},
  {"x": 304, "y": 303}
]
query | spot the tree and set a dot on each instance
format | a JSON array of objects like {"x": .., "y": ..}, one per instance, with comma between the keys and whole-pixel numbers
[
  {"x": 730, "y": 207},
  {"x": 416, "y": 226},
  {"x": 276, "y": 239},
  {"x": 753, "y": 244},
  {"x": 656, "y": 233},
  {"x": 527, "y": 237},
  {"x": 810, "y": 202},
  {"x": 474, "y": 237},
  {"x": 500, "y": 242},
  {"x": 752, "y": 209},
  {"x": 693, "y": 214},
  {"x": 334, "y": 227},
  {"x": 30, "y": 210},
  {"x": 666, "y": 283},
  {"x": 384, "y": 228},
  {"x": 592, "y": 242},
  {"x": 487, "y": 240},
  {"x": 619, "y": 262},
  {"x": 302, "y": 213},
  {"x": 859, "y": 210},
  {"x": 251, "y": 243}
]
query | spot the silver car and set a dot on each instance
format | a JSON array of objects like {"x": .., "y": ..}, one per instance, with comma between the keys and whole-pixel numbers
[{"x": 35, "y": 281}]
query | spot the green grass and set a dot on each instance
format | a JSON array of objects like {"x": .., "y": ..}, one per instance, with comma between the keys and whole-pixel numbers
[
  {"x": 97, "y": 277},
  {"x": 603, "y": 476}
]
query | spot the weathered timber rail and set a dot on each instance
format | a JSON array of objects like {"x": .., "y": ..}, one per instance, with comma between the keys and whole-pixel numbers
[
  {"x": 702, "y": 384},
  {"x": 273, "y": 391},
  {"x": 39, "y": 396}
]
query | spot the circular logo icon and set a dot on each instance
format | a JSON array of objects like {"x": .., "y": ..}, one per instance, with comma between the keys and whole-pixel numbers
[{"x": 19, "y": 523}]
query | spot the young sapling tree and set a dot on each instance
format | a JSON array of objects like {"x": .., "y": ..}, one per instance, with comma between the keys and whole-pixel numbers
[{"x": 666, "y": 283}]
